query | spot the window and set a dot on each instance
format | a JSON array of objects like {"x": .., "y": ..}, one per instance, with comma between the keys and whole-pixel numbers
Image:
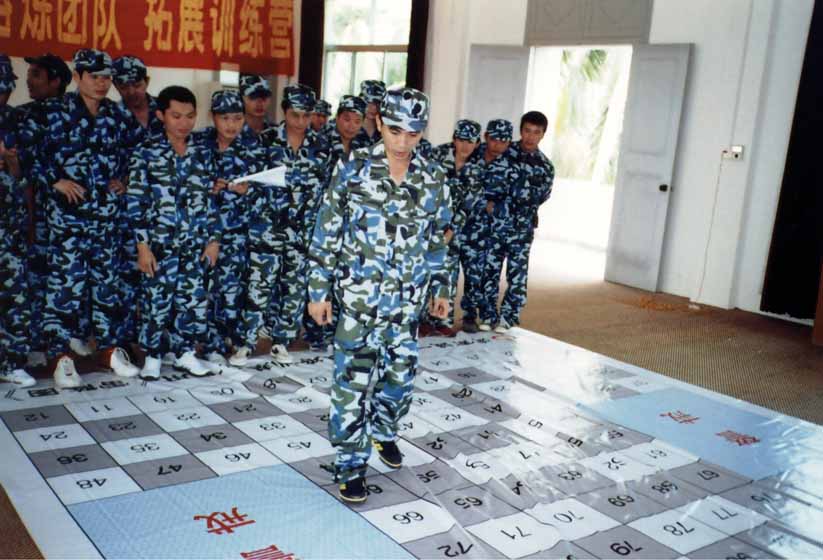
[{"x": 364, "y": 40}]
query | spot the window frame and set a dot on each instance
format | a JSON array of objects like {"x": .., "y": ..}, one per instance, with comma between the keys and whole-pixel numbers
[{"x": 355, "y": 50}]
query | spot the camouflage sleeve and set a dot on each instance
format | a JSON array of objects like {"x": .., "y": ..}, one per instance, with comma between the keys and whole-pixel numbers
[
  {"x": 46, "y": 162},
  {"x": 327, "y": 239},
  {"x": 214, "y": 220},
  {"x": 496, "y": 179},
  {"x": 440, "y": 276},
  {"x": 459, "y": 207},
  {"x": 138, "y": 197},
  {"x": 544, "y": 189}
]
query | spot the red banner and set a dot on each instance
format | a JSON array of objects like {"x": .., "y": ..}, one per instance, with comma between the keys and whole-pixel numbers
[{"x": 254, "y": 34}]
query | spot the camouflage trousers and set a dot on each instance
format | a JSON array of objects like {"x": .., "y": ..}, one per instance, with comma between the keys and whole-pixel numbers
[
  {"x": 290, "y": 290},
  {"x": 260, "y": 291},
  {"x": 227, "y": 293},
  {"x": 14, "y": 302},
  {"x": 38, "y": 278},
  {"x": 174, "y": 300},
  {"x": 512, "y": 248},
  {"x": 472, "y": 243},
  {"x": 130, "y": 278},
  {"x": 453, "y": 268},
  {"x": 83, "y": 287},
  {"x": 388, "y": 351}
]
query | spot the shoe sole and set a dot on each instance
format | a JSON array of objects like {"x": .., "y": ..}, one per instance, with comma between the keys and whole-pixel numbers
[
  {"x": 388, "y": 464},
  {"x": 352, "y": 500},
  {"x": 149, "y": 377},
  {"x": 184, "y": 370}
]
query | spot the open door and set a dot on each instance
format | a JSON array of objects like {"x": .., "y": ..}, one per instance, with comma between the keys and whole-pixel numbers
[
  {"x": 497, "y": 83},
  {"x": 644, "y": 174}
]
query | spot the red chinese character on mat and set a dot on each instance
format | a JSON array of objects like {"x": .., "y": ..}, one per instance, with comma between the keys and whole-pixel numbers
[
  {"x": 221, "y": 522},
  {"x": 739, "y": 439},
  {"x": 269, "y": 553},
  {"x": 681, "y": 417}
]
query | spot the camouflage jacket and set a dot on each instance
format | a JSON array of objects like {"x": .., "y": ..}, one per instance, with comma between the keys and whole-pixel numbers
[
  {"x": 307, "y": 175},
  {"x": 466, "y": 185},
  {"x": 364, "y": 139},
  {"x": 169, "y": 200},
  {"x": 89, "y": 150},
  {"x": 533, "y": 188},
  {"x": 31, "y": 128},
  {"x": 12, "y": 206},
  {"x": 499, "y": 178},
  {"x": 237, "y": 160},
  {"x": 338, "y": 151},
  {"x": 136, "y": 133},
  {"x": 381, "y": 242}
]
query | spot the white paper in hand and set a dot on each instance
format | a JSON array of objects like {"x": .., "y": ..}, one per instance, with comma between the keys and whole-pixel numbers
[{"x": 274, "y": 177}]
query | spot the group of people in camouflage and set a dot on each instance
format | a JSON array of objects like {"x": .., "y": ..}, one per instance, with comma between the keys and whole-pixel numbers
[{"x": 122, "y": 224}]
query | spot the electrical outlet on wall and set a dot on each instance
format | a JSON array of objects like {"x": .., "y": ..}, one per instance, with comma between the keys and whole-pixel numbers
[{"x": 733, "y": 152}]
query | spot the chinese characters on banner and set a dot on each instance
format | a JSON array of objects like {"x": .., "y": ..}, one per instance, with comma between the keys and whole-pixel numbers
[{"x": 254, "y": 34}]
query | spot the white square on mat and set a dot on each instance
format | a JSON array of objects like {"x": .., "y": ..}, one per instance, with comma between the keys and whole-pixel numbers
[
  {"x": 92, "y": 485},
  {"x": 239, "y": 458},
  {"x": 516, "y": 535},
  {"x": 411, "y": 521},
  {"x": 139, "y": 449}
]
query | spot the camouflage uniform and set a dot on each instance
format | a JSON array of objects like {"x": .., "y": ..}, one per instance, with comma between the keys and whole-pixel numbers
[
  {"x": 171, "y": 209},
  {"x": 467, "y": 199},
  {"x": 130, "y": 69},
  {"x": 252, "y": 85},
  {"x": 31, "y": 127},
  {"x": 513, "y": 231},
  {"x": 14, "y": 301},
  {"x": 371, "y": 91},
  {"x": 307, "y": 176},
  {"x": 380, "y": 243},
  {"x": 83, "y": 245},
  {"x": 317, "y": 336},
  {"x": 226, "y": 284}
]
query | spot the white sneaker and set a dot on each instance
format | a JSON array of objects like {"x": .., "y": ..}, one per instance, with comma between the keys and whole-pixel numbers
[
  {"x": 151, "y": 369},
  {"x": 121, "y": 364},
  {"x": 36, "y": 359},
  {"x": 241, "y": 356},
  {"x": 18, "y": 377},
  {"x": 217, "y": 358},
  {"x": 191, "y": 364},
  {"x": 65, "y": 374},
  {"x": 169, "y": 358},
  {"x": 502, "y": 327},
  {"x": 79, "y": 347},
  {"x": 280, "y": 355},
  {"x": 485, "y": 327}
]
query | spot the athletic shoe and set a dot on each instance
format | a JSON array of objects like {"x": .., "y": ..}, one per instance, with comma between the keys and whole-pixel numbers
[
  {"x": 189, "y": 363},
  {"x": 119, "y": 362},
  {"x": 280, "y": 355},
  {"x": 389, "y": 453},
  {"x": 169, "y": 358},
  {"x": 151, "y": 369},
  {"x": 65, "y": 374},
  {"x": 241, "y": 356},
  {"x": 79, "y": 347},
  {"x": 444, "y": 330},
  {"x": 18, "y": 377},
  {"x": 484, "y": 327},
  {"x": 36, "y": 359},
  {"x": 217, "y": 358},
  {"x": 353, "y": 491},
  {"x": 469, "y": 326},
  {"x": 502, "y": 327}
]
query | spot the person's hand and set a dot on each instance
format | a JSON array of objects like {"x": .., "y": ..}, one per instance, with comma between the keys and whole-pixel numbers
[
  {"x": 448, "y": 236},
  {"x": 146, "y": 261},
  {"x": 239, "y": 188},
  {"x": 219, "y": 185},
  {"x": 211, "y": 253},
  {"x": 489, "y": 207},
  {"x": 11, "y": 161},
  {"x": 73, "y": 192},
  {"x": 117, "y": 187},
  {"x": 439, "y": 308},
  {"x": 320, "y": 311}
]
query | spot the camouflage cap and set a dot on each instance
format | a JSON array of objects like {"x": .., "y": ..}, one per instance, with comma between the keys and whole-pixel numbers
[
  {"x": 406, "y": 108},
  {"x": 299, "y": 97},
  {"x": 352, "y": 103},
  {"x": 54, "y": 66},
  {"x": 322, "y": 107},
  {"x": 372, "y": 91},
  {"x": 226, "y": 101},
  {"x": 7, "y": 75},
  {"x": 468, "y": 130},
  {"x": 92, "y": 61},
  {"x": 252, "y": 85},
  {"x": 128, "y": 70},
  {"x": 500, "y": 129}
]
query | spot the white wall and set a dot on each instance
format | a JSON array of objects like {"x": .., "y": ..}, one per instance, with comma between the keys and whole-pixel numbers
[{"x": 742, "y": 88}]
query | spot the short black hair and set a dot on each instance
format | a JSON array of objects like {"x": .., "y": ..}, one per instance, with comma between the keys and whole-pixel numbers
[
  {"x": 535, "y": 118},
  {"x": 175, "y": 93}
]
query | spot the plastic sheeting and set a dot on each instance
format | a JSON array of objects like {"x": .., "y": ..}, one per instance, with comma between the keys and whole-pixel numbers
[{"x": 516, "y": 446}]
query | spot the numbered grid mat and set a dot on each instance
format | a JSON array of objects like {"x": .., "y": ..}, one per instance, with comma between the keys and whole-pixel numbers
[{"x": 515, "y": 446}]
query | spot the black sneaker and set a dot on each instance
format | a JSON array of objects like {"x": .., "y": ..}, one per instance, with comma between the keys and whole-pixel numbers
[
  {"x": 469, "y": 325},
  {"x": 353, "y": 491},
  {"x": 389, "y": 453}
]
